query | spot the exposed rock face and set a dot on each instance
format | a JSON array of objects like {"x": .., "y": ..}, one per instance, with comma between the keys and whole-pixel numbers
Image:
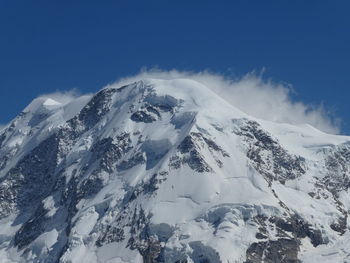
[
  {"x": 280, "y": 250},
  {"x": 338, "y": 166},
  {"x": 166, "y": 171},
  {"x": 31, "y": 179},
  {"x": 95, "y": 110},
  {"x": 190, "y": 150},
  {"x": 278, "y": 164}
]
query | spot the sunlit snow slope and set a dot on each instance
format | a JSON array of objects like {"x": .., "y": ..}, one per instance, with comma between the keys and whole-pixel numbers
[{"x": 168, "y": 171}]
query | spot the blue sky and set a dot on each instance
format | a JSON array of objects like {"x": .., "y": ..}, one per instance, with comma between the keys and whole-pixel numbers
[{"x": 47, "y": 46}]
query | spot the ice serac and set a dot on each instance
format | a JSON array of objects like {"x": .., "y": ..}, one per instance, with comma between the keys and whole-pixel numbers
[{"x": 168, "y": 171}]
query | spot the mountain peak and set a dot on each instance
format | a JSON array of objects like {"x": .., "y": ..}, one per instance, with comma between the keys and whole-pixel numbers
[{"x": 168, "y": 171}]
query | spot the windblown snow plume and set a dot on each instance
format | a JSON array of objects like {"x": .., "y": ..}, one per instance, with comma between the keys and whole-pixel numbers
[
  {"x": 64, "y": 97},
  {"x": 255, "y": 96}
]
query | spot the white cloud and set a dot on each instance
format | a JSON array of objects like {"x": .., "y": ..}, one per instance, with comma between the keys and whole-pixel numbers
[
  {"x": 63, "y": 97},
  {"x": 255, "y": 96}
]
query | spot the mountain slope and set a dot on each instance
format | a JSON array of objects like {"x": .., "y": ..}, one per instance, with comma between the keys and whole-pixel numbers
[{"x": 168, "y": 171}]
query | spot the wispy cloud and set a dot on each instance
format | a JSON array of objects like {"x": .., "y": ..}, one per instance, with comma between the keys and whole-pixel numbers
[
  {"x": 256, "y": 96},
  {"x": 63, "y": 97}
]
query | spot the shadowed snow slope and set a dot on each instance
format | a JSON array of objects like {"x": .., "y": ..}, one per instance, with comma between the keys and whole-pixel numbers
[{"x": 168, "y": 171}]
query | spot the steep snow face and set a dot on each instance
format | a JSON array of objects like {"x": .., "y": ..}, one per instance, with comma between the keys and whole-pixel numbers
[{"x": 168, "y": 171}]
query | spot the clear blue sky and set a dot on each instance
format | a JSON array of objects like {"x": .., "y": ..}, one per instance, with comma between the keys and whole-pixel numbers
[{"x": 59, "y": 45}]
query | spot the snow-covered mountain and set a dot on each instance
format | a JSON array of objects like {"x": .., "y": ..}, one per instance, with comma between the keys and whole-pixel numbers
[{"x": 168, "y": 171}]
